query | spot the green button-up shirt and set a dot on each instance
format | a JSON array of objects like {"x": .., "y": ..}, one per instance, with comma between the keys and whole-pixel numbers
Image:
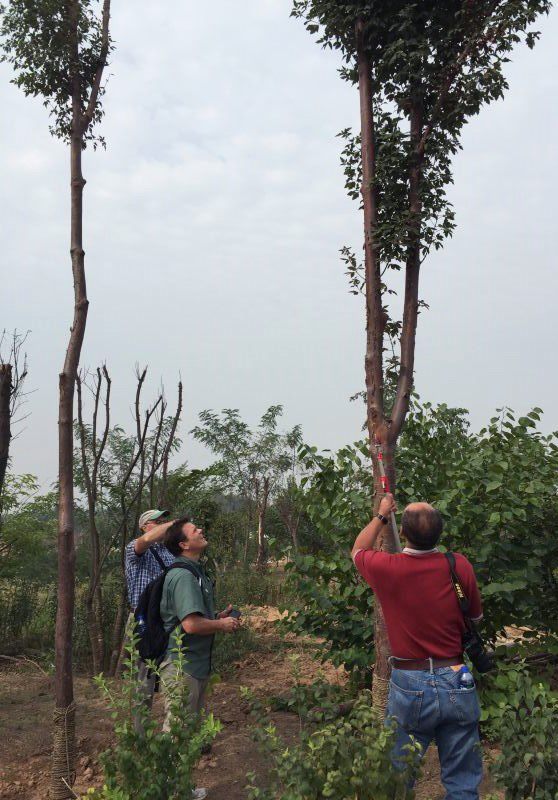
[{"x": 184, "y": 594}]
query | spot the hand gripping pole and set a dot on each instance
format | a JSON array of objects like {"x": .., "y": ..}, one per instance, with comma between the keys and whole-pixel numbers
[{"x": 385, "y": 489}]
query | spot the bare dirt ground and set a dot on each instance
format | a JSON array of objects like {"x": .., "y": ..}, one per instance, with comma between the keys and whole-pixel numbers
[{"x": 26, "y": 703}]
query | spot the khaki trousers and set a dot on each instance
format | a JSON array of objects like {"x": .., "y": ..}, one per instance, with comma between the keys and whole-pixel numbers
[{"x": 170, "y": 676}]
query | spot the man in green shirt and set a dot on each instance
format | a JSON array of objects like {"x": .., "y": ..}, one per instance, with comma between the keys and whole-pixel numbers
[{"x": 187, "y": 608}]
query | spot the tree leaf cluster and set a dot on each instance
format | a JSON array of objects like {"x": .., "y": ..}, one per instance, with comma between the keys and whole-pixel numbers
[
  {"x": 432, "y": 66},
  {"x": 527, "y": 763},
  {"x": 333, "y": 603},
  {"x": 38, "y": 40}
]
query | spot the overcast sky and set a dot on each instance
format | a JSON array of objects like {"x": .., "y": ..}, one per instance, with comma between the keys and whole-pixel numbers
[{"x": 213, "y": 223}]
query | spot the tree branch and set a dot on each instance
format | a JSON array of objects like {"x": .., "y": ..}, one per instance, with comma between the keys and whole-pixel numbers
[
  {"x": 103, "y": 55},
  {"x": 412, "y": 272},
  {"x": 373, "y": 285}
]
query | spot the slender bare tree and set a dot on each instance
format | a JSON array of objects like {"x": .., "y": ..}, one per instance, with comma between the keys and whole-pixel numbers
[
  {"x": 13, "y": 371},
  {"x": 59, "y": 52},
  {"x": 91, "y": 458}
]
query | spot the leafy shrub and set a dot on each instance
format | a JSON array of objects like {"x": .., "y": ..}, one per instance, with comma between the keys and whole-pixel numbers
[
  {"x": 154, "y": 765},
  {"x": 499, "y": 691},
  {"x": 497, "y": 493},
  {"x": 348, "y": 759},
  {"x": 527, "y": 766},
  {"x": 335, "y": 604},
  {"x": 501, "y": 510},
  {"x": 312, "y": 702},
  {"x": 18, "y": 602},
  {"x": 231, "y": 648}
]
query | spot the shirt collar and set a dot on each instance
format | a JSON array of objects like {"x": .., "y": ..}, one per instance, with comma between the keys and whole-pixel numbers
[
  {"x": 190, "y": 561},
  {"x": 412, "y": 552}
]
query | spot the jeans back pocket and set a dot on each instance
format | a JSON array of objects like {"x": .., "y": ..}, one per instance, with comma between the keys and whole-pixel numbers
[
  {"x": 465, "y": 705},
  {"x": 405, "y": 705}
]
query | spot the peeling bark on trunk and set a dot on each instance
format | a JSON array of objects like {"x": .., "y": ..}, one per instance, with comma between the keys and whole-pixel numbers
[
  {"x": 375, "y": 318},
  {"x": 382, "y": 429}
]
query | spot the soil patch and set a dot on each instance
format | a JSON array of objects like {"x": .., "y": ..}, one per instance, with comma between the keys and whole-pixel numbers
[{"x": 26, "y": 704}]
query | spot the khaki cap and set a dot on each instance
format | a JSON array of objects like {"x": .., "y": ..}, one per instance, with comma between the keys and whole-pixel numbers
[{"x": 153, "y": 514}]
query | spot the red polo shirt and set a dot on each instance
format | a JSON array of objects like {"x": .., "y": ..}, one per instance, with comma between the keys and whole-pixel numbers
[{"x": 417, "y": 597}]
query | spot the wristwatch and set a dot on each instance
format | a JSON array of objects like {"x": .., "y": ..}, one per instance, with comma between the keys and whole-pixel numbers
[{"x": 383, "y": 519}]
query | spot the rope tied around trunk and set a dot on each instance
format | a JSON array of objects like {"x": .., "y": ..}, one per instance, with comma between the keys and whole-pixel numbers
[
  {"x": 64, "y": 752},
  {"x": 380, "y": 692}
]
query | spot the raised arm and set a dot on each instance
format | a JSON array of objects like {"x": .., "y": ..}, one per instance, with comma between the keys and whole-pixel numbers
[
  {"x": 155, "y": 534},
  {"x": 368, "y": 535}
]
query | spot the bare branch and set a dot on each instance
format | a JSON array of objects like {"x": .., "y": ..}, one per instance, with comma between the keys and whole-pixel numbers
[
  {"x": 169, "y": 444},
  {"x": 103, "y": 55},
  {"x": 160, "y": 424},
  {"x": 412, "y": 272}
]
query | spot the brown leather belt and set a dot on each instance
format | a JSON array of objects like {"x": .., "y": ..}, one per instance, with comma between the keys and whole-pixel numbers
[{"x": 424, "y": 663}]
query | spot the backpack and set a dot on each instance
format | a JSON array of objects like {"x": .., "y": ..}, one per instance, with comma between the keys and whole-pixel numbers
[{"x": 153, "y": 638}]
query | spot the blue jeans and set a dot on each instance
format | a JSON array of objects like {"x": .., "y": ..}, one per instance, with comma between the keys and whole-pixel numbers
[{"x": 431, "y": 705}]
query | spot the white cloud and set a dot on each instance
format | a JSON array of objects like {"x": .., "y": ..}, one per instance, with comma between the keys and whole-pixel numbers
[{"x": 213, "y": 223}]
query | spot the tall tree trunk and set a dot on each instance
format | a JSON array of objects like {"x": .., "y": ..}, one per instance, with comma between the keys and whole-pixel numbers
[
  {"x": 406, "y": 370},
  {"x": 378, "y": 430},
  {"x": 5, "y": 426},
  {"x": 246, "y": 544},
  {"x": 64, "y": 714},
  {"x": 375, "y": 317},
  {"x": 412, "y": 270},
  {"x": 94, "y": 601},
  {"x": 262, "y": 508},
  {"x": 118, "y": 630},
  {"x": 293, "y": 530},
  {"x": 119, "y": 626},
  {"x": 261, "y": 558}
]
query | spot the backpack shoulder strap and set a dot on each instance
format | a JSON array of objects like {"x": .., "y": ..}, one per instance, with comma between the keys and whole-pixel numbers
[
  {"x": 190, "y": 567},
  {"x": 157, "y": 557},
  {"x": 462, "y": 598}
]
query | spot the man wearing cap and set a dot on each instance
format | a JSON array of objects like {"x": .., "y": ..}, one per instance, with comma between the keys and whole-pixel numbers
[{"x": 145, "y": 558}]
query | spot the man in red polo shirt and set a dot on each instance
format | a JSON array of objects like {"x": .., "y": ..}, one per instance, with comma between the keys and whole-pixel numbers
[{"x": 424, "y": 623}]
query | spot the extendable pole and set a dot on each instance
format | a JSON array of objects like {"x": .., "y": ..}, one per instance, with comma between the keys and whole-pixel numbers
[{"x": 385, "y": 489}]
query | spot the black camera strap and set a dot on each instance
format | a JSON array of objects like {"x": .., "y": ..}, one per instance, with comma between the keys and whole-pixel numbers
[
  {"x": 157, "y": 558},
  {"x": 474, "y": 646},
  {"x": 462, "y": 598}
]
